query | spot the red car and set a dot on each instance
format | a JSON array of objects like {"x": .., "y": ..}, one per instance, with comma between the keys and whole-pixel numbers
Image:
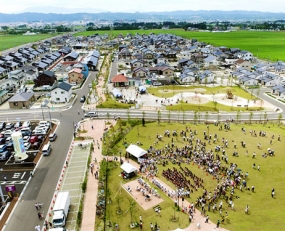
[{"x": 33, "y": 139}]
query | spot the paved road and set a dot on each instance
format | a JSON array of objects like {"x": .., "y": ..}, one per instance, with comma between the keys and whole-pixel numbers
[{"x": 42, "y": 185}]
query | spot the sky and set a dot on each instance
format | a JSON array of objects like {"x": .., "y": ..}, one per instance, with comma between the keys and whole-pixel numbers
[{"x": 16, "y": 6}]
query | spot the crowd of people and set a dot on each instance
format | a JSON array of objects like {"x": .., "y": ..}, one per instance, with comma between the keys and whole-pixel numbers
[{"x": 215, "y": 162}]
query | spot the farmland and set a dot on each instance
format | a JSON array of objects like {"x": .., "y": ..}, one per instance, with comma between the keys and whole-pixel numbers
[
  {"x": 9, "y": 41},
  {"x": 263, "y": 44}
]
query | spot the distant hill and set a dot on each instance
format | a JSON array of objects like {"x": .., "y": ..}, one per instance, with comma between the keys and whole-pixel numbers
[{"x": 155, "y": 16}]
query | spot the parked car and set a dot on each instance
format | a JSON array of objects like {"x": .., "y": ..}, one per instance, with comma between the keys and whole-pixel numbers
[
  {"x": 2, "y": 125},
  {"x": 8, "y": 133},
  {"x": 27, "y": 146},
  {"x": 156, "y": 83},
  {"x": 36, "y": 145},
  {"x": 26, "y": 139},
  {"x": 33, "y": 139},
  {"x": 52, "y": 137},
  {"x": 3, "y": 147},
  {"x": 5, "y": 155},
  {"x": 8, "y": 140},
  {"x": 18, "y": 124},
  {"x": 91, "y": 114},
  {"x": 10, "y": 147},
  {"x": 9, "y": 126},
  {"x": 2, "y": 140},
  {"x": 26, "y": 124},
  {"x": 40, "y": 132},
  {"x": 82, "y": 99}
]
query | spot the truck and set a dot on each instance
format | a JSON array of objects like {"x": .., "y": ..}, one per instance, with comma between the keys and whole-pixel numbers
[{"x": 60, "y": 209}]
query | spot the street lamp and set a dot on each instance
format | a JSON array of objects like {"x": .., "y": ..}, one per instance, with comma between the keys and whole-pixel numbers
[
  {"x": 43, "y": 113},
  {"x": 178, "y": 192}
]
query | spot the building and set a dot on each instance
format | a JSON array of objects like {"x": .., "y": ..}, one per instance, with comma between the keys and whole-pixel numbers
[
  {"x": 75, "y": 76},
  {"x": 45, "y": 78},
  {"x": 21, "y": 100},
  {"x": 62, "y": 93}
]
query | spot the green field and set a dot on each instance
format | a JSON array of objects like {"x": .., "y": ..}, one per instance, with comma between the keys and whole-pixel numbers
[
  {"x": 10, "y": 41},
  {"x": 265, "y": 213},
  {"x": 264, "y": 45}
]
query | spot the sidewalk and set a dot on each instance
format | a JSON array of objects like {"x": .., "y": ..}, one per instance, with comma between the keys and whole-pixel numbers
[{"x": 89, "y": 211}]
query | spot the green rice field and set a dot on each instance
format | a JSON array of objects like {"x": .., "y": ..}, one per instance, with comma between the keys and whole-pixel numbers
[
  {"x": 9, "y": 41},
  {"x": 263, "y": 44}
]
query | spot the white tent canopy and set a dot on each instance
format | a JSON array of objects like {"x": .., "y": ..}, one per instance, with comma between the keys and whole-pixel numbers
[
  {"x": 136, "y": 151},
  {"x": 128, "y": 168}
]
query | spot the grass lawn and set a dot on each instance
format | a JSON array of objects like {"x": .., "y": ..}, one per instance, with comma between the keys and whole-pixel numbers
[
  {"x": 9, "y": 41},
  {"x": 125, "y": 200},
  {"x": 263, "y": 44},
  {"x": 210, "y": 106},
  {"x": 111, "y": 103},
  {"x": 169, "y": 91},
  {"x": 265, "y": 213}
]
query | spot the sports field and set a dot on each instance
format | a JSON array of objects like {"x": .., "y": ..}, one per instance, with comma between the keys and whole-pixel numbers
[
  {"x": 9, "y": 41},
  {"x": 263, "y": 44}
]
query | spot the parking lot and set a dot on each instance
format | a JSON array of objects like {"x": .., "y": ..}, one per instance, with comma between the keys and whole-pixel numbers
[{"x": 74, "y": 175}]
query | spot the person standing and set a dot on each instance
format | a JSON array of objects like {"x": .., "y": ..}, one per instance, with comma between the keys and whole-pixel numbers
[
  {"x": 272, "y": 193},
  {"x": 38, "y": 228},
  {"x": 151, "y": 226},
  {"x": 207, "y": 219},
  {"x": 37, "y": 206},
  {"x": 5, "y": 178},
  {"x": 218, "y": 224},
  {"x": 141, "y": 225},
  {"x": 140, "y": 218}
]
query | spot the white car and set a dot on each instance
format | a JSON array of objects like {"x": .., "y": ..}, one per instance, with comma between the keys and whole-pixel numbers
[
  {"x": 26, "y": 124},
  {"x": 27, "y": 145},
  {"x": 26, "y": 139}
]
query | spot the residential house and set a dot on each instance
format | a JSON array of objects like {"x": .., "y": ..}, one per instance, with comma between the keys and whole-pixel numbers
[
  {"x": 62, "y": 93},
  {"x": 92, "y": 60},
  {"x": 120, "y": 81},
  {"x": 17, "y": 78},
  {"x": 245, "y": 55},
  {"x": 182, "y": 62},
  {"x": 248, "y": 81},
  {"x": 140, "y": 72},
  {"x": 41, "y": 66},
  {"x": 162, "y": 69},
  {"x": 21, "y": 100},
  {"x": 72, "y": 56},
  {"x": 136, "y": 63},
  {"x": 243, "y": 64},
  {"x": 4, "y": 96},
  {"x": 211, "y": 61},
  {"x": 75, "y": 76},
  {"x": 187, "y": 78},
  {"x": 206, "y": 77},
  {"x": 45, "y": 78}
]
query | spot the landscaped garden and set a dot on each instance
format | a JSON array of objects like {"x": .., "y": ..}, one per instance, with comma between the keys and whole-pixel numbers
[{"x": 265, "y": 212}]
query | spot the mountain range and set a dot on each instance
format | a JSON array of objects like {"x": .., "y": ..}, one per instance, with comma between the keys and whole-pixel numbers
[{"x": 186, "y": 15}]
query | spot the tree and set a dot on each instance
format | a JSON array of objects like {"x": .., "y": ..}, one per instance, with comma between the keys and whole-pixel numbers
[
  {"x": 128, "y": 115},
  {"x": 250, "y": 117},
  {"x": 215, "y": 104},
  {"x": 265, "y": 117},
  {"x": 158, "y": 117},
  {"x": 279, "y": 119},
  {"x": 195, "y": 117},
  {"x": 206, "y": 116},
  {"x": 238, "y": 115},
  {"x": 143, "y": 118},
  {"x": 169, "y": 115},
  {"x": 132, "y": 210},
  {"x": 183, "y": 116},
  {"x": 199, "y": 116}
]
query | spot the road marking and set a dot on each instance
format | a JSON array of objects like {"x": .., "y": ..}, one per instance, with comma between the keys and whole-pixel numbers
[
  {"x": 23, "y": 175},
  {"x": 13, "y": 182},
  {"x": 17, "y": 175}
]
